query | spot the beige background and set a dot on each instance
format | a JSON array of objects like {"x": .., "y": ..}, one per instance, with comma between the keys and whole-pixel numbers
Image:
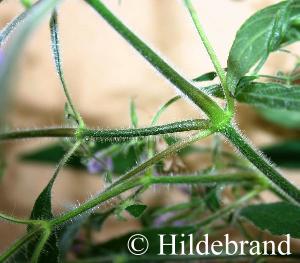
[{"x": 103, "y": 73}]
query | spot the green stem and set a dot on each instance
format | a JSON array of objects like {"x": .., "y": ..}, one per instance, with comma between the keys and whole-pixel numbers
[
  {"x": 19, "y": 220},
  {"x": 130, "y": 183},
  {"x": 219, "y": 69},
  {"x": 40, "y": 246},
  {"x": 210, "y": 107},
  {"x": 205, "y": 179},
  {"x": 289, "y": 190},
  {"x": 163, "y": 154},
  {"x": 18, "y": 244},
  {"x": 106, "y": 195},
  {"x": 58, "y": 64},
  {"x": 109, "y": 134},
  {"x": 224, "y": 211}
]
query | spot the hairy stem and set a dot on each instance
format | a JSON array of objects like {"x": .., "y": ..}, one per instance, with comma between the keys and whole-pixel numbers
[
  {"x": 163, "y": 154},
  {"x": 40, "y": 246},
  {"x": 220, "y": 71},
  {"x": 55, "y": 44},
  {"x": 19, "y": 243},
  {"x": 224, "y": 211},
  {"x": 205, "y": 179},
  {"x": 289, "y": 190},
  {"x": 210, "y": 107},
  {"x": 109, "y": 134},
  {"x": 146, "y": 181}
]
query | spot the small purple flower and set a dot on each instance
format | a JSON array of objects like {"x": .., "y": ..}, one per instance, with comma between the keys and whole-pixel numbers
[
  {"x": 99, "y": 164},
  {"x": 163, "y": 220}
]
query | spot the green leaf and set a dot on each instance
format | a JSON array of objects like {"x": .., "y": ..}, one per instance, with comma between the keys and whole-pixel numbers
[
  {"x": 277, "y": 218},
  {"x": 206, "y": 77},
  {"x": 136, "y": 210},
  {"x": 52, "y": 154},
  {"x": 264, "y": 32},
  {"x": 133, "y": 114},
  {"x": 270, "y": 95},
  {"x": 163, "y": 108},
  {"x": 285, "y": 154},
  {"x": 123, "y": 160},
  {"x": 284, "y": 118}
]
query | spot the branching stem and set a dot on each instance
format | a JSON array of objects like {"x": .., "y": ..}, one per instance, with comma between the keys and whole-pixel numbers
[
  {"x": 109, "y": 134},
  {"x": 220, "y": 71}
]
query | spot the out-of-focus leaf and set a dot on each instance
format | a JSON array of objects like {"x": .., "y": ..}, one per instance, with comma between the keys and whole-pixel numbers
[
  {"x": 22, "y": 26},
  {"x": 270, "y": 95},
  {"x": 213, "y": 198},
  {"x": 285, "y": 154},
  {"x": 67, "y": 233},
  {"x": 264, "y": 32},
  {"x": 277, "y": 218},
  {"x": 119, "y": 245},
  {"x": 96, "y": 220},
  {"x": 284, "y": 118},
  {"x": 52, "y": 154},
  {"x": 136, "y": 210}
]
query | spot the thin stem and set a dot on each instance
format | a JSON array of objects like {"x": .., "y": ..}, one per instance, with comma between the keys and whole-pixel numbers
[
  {"x": 203, "y": 101},
  {"x": 112, "y": 134},
  {"x": 163, "y": 108},
  {"x": 55, "y": 44},
  {"x": 106, "y": 195},
  {"x": 126, "y": 182},
  {"x": 219, "y": 69},
  {"x": 146, "y": 181},
  {"x": 19, "y": 220},
  {"x": 289, "y": 190},
  {"x": 224, "y": 211},
  {"x": 205, "y": 179},
  {"x": 40, "y": 246},
  {"x": 163, "y": 154},
  {"x": 18, "y": 244}
]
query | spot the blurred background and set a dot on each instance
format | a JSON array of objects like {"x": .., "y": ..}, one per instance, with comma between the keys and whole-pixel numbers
[{"x": 103, "y": 73}]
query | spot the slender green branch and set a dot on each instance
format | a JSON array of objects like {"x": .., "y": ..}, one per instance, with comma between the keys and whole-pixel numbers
[
  {"x": 151, "y": 180},
  {"x": 126, "y": 182},
  {"x": 19, "y": 220},
  {"x": 40, "y": 246},
  {"x": 112, "y": 134},
  {"x": 55, "y": 44},
  {"x": 220, "y": 71},
  {"x": 210, "y": 107},
  {"x": 19, "y": 243},
  {"x": 224, "y": 211},
  {"x": 289, "y": 190},
  {"x": 205, "y": 179},
  {"x": 163, "y": 154},
  {"x": 163, "y": 108},
  {"x": 106, "y": 195}
]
